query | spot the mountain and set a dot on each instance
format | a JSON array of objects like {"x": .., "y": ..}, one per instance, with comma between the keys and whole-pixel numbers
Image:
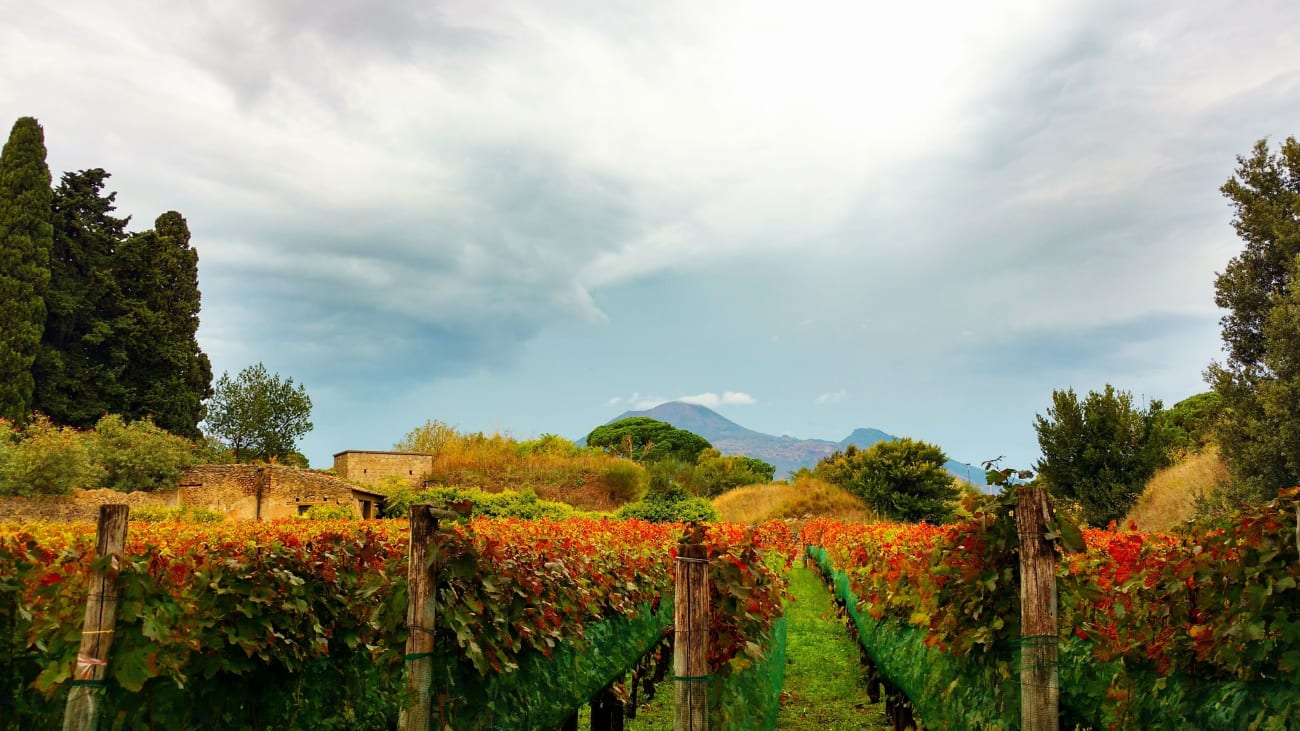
[{"x": 786, "y": 453}]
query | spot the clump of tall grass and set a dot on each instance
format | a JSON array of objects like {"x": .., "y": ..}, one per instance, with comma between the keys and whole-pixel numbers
[
  {"x": 1171, "y": 495},
  {"x": 806, "y": 497}
]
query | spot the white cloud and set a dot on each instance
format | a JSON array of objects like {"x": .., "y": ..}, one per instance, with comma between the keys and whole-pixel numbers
[
  {"x": 832, "y": 398},
  {"x": 711, "y": 400}
]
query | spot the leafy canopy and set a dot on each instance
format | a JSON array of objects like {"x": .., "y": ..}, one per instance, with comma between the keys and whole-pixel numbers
[
  {"x": 1259, "y": 431},
  {"x": 904, "y": 480},
  {"x": 1100, "y": 452},
  {"x": 26, "y": 237},
  {"x": 648, "y": 440},
  {"x": 260, "y": 415}
]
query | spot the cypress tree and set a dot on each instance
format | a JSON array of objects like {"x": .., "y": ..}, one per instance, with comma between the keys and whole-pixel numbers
[
  {"x": 167, "y": 376},
  {"x": 78, "y": 368},
  {"x": 26, "y": 237}
]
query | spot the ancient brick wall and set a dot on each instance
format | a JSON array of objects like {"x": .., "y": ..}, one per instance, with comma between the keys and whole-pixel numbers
[
  {"x": 370, "y": 468},
  {"x": 232, "y": 490}
]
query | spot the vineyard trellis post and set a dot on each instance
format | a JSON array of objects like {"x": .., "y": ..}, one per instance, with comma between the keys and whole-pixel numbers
[
  {"x": 691, "y": 630},
  {"x": 1039, "y": 692},
  {"x": 421, "y": 613},
  {"x": 84, "y": 701}
]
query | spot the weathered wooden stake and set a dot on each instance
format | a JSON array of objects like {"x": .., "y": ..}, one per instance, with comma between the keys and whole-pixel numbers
[
  {"x": 1039, "y": 695},
  {"x": 83, "y": 708},
  {"x": 691, "y": 644},
  {"x": 420, "y": 616}
]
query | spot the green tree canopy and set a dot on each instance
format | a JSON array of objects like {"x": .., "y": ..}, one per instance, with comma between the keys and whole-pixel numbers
[
  {"x": 1259, "y": 430},
  {"x": 718, "y": 474},
  {"x": 258, "y": 414},
  {"x": 167, "y": 376},
  {"x": 648, "y": 440},
  {"x": 1101, "y": 451},
  {"x": 1191, "y": 423},
  {"x": 26, "y": 237},
  {"x": 80, "y": 360},
  {"x": 904, "y": 479}
]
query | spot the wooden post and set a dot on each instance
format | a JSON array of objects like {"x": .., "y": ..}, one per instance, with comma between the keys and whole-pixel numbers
[
  {"x": 1039, "y": 694},
  {"x": 420, "y": 616},
  {"x": 691, "y": 644},
  {"x": 83, "y": 708}
]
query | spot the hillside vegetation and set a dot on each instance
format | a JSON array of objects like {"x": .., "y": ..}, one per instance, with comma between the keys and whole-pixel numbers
[
  {"x": 807, "y": 497},
  {"x": 1170, "y": 496},
  {"x": 552, "y": 467}
]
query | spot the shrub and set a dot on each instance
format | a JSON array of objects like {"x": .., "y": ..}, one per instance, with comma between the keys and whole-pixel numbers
[
  {"x": 49, "y": 460},
  {"x": 508, "y": 504},
  {"x": 624, "y": 479},
  {"x": 139, "y": 455},
  {"x": 329, "y": 512}
]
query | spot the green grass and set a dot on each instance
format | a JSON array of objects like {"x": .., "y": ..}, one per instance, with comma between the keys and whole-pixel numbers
[{"x": 825, "y": 687}]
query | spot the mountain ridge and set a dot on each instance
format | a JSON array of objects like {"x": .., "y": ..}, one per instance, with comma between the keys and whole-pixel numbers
[{"x": 786, "y": 453}]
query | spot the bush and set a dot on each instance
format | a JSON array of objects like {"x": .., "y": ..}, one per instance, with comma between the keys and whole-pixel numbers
[
  {"x": 139, "y": 455},
  {"x": 183, "y": 514},
  {"x": 48, "y": 460},
  {"x": 624, "y": 479},
  {"x": 329, "y": 512},
  {"x": 508, "y": 504},
  {"x": 686, "y": 510}
]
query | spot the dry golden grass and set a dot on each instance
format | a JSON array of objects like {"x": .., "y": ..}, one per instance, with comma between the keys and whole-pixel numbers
[
  {"x": 1169, "y": 498},
  {"x": 806, "y": 498}
]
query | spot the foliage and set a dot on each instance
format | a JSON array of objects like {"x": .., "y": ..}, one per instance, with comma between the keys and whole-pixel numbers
[
  {"x": 903, "y": 479},
  {"x": 1259, "y": 382},
  {"x": 522, "y": 504},
  {"x": 44, "y": 459},
  {"x": 1219, "y": 603},
  {"x": 718, "y": 474},
  {"x": 165, "y": 375},
  {"x": 553, "y": 467},
  {"x": 1177, "y": 493},
  {"x": 329, "y": 512},
  {"x": 81, "y": 359},
  {"x": 26, "y": 237},
  {"x": 258, "y": 414},
  {"x": 1100, "y": 451},
  {"x": 49, "y": 460},
  {"x": 182, "y": 514},
  {"x": 427, "y": 439},
  {"x": 139, "y": 455},
  {"x": 648, "y": 440},
  {"x": 1189, "y": 425},
  {"x": 667, "y": 500},
  {"x": 217, "y": 623}
]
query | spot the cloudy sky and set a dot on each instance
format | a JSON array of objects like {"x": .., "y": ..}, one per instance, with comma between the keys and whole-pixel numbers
[{"x": 815, "y": 216}]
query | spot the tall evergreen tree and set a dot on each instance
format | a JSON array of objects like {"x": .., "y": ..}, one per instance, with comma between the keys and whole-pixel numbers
[
  {"x": 167, "y": 376},
  {"x": 1259, "y": 427},
  {"x": 77, "y": 371},
  {"x": 26, "y": 237}
]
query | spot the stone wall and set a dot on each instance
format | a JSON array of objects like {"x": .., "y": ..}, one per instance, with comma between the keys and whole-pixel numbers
[
  {"x": 80, "y": 505},
  {"x": 371, "y": 468},
  {"x": 240, "y": 492}
]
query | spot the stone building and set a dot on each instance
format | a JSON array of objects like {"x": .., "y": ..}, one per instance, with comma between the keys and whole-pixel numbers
[{"x": 371, "y": 468}]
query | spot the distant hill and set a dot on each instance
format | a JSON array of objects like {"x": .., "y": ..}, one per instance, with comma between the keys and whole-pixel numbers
[{"x": 786, "y": 453}]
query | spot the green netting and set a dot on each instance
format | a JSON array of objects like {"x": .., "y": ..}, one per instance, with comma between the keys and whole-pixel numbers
[
  {"x": 749, "y": 699},
  {"x": 1111, "y": 694},
  {"x": 945, "y": 693},
  {"x": 544, "y": 692}
]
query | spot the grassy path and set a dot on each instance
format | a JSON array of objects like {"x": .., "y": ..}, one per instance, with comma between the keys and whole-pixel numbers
[{"x": 825, "y": 688}]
